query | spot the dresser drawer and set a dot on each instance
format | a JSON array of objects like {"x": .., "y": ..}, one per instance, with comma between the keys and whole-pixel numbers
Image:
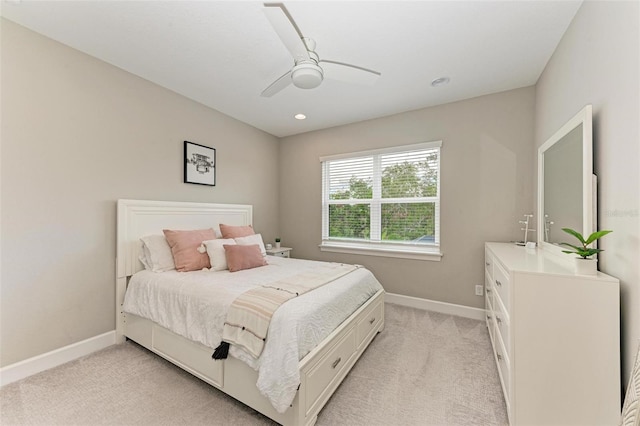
[
  {"x": 488, "y": 263},
  {"x": 489, "y": 289},
  {"x": 488, "y": 305},
  {"x": 504, "y": 365},
  {"x": 491, "y": 326},
  {"x": 488, "y": 313},
  {"x": 502, "y": 324},
  {"x": 501, "y": 284}
]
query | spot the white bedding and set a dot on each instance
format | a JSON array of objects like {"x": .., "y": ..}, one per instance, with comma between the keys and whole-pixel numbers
[{"x": 194, "y": 305}]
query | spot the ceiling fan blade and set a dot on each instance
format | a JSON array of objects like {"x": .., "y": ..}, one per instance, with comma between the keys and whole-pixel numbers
[
  {"x": 277, "y": 85},
  {"x": 287, "y": 31},
  {"x": 349, "y": 73}
]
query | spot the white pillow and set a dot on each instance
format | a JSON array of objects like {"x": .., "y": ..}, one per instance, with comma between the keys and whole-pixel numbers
[
  {"x": 143, "y": 259},
  {"x": 252, "y": 239},
  {"x": 217, "y": 256},
  {"x": 156, "y": 254}
]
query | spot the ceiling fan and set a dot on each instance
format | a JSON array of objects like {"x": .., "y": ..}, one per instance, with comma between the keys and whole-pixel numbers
[{"x": 308, "y": 70}]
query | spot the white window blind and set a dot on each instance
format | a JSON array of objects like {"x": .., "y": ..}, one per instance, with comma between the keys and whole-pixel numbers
[{"x": 384, "y": 200}]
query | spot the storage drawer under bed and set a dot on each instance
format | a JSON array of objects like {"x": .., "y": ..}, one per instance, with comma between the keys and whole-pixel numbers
[
  {"x": 329, "y": 367},
  {"x": 188, "y": 355},
  {"x": 369, "y": 323}
]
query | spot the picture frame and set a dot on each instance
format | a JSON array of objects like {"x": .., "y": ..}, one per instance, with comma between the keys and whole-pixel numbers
[{"x": 199, "y": 164}]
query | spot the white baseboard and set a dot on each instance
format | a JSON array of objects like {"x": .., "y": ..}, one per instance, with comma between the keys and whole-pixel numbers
[
  {"x": 433, "y": 305},
  {"x": 20, "y": 370}
]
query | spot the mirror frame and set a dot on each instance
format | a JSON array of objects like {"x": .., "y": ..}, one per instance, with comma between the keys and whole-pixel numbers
[{"x": 584, "y": 117}]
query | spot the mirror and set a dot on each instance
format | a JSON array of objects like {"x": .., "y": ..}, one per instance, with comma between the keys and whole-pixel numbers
[{"x": 565, "y": 182}]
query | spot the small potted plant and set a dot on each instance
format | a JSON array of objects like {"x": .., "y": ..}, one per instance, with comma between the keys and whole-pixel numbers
[
  {"x": 277, "y": 242},
  {"x": 585, "y": 263}
]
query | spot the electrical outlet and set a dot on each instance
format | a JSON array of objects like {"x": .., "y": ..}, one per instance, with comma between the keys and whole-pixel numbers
[{"x": 479, "y": 290}]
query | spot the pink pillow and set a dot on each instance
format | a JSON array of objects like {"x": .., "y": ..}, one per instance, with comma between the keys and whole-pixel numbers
[
  {"x": 232, "y": 231},
  {"x": 184, "y": 247},
  {"x": 243, "y": 257}
]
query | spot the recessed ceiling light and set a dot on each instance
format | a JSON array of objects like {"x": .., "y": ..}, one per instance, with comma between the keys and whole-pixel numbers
[
  {"x": 299, "y": 116},
  {"x": 440, "y": 81}
]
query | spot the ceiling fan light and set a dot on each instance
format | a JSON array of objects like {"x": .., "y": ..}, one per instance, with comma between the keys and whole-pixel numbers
[{"x": 306, "y": 76}]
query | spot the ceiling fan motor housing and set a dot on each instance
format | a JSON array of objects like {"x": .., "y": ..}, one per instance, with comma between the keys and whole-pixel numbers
[{"x": 307, "y": 75}]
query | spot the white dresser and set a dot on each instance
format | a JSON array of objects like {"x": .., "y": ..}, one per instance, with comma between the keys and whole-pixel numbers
[{"x": 556, "y": 338}]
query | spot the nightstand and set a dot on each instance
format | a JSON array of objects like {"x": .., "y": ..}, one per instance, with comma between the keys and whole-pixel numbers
[{"x": 280, "y": 252}]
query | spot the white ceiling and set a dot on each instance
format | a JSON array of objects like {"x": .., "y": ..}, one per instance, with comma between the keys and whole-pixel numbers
[{"x": 223, "y": 54}]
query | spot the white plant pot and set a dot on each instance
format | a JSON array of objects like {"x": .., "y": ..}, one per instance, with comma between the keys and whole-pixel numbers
[
  {"x": 586, "y": 266},
  {"x": 277, "y": 245}
]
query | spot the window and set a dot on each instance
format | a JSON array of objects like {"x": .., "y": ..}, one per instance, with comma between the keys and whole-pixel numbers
[{"x": 383, "y": 202}]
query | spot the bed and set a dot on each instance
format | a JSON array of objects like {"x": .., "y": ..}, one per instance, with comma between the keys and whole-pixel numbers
[{"x": 321, "y": 367}]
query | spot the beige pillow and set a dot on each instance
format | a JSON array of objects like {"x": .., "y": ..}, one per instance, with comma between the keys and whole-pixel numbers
[
  {"x": 243, "y": 257},
  {"x": 234, "y": 231},
  {"x": 184, "y": 247}
]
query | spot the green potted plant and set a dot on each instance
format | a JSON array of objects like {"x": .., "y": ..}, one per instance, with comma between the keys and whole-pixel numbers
[
  {"x": 277, "y": 242},
  {"x": 585, "y": 263}
]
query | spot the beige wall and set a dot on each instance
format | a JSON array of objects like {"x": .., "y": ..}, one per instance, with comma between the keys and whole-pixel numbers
[
  {"x": 77, "y": 134},
  {"x": 486, "y": 187},
  {"x": 597, "y": 62}
]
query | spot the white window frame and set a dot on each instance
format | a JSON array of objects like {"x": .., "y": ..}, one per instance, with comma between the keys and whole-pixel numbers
[{"x": 375, "y": 247}]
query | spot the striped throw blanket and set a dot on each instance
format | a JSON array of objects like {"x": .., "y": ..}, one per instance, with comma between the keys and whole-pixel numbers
[{"x": 250, "y": 313}]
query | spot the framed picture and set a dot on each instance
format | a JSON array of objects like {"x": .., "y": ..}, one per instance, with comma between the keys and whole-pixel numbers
[{"x": 199, "y": 164}]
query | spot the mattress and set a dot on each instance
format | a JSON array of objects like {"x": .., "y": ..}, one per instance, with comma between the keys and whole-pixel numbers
[{"x": 194, "y": 305}]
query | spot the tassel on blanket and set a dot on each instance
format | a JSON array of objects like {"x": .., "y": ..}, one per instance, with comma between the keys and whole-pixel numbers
[{"x": 221, "y": 351}]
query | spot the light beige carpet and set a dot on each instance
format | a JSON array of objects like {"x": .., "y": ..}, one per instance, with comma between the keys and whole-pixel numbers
[{"x": 426, "y": 368}]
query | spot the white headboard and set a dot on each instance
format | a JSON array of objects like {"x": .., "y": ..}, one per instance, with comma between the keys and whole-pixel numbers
[{"x": 137, "y": 218}]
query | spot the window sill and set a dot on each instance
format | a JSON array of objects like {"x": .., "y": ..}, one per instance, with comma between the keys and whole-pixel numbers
[{"x": 430, "y": 254}]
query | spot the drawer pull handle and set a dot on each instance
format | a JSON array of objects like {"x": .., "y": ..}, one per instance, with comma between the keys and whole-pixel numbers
[
  {"x": 336, "y": 362},
  {"x": 488, "y": 290},
  {"x": 372, "y": 320},
  {"x": 488, "y": 317},
  {"x": 487, "y": 263},
  {"x": 499, "y": 283},
  {"x": 498, "y": 319},
  {"x": 499, "y": 356}
]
